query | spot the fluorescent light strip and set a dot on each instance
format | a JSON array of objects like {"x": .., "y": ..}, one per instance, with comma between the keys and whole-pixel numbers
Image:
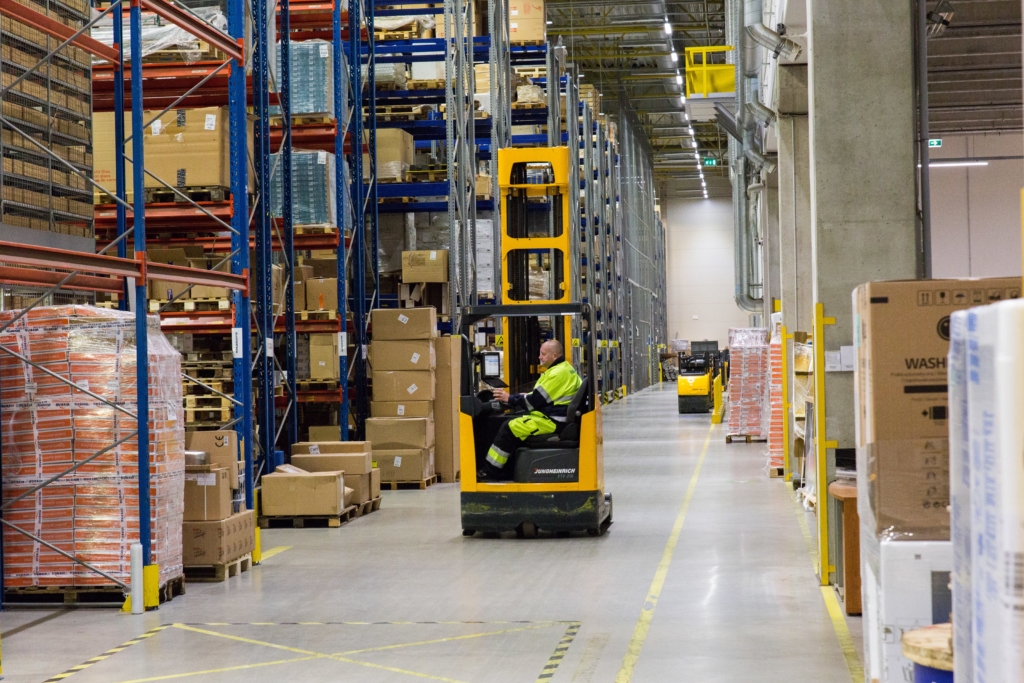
[{"x": 954, "y": 164}]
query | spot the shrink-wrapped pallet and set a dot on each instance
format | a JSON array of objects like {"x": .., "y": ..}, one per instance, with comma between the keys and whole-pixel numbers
[
  {"x": 775, "y": 417},
  {"x": 748, "y": 382},
  {"x": 93, "y": 512}
]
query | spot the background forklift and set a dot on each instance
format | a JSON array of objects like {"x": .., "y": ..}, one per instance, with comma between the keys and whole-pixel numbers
[
  {"x": 697, "y": 372},
  {"x": 555, "y": 482}
]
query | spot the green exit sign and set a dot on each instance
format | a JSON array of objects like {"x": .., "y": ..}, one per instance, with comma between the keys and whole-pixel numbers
[
  {"x": 935, "y": 142},
  {"x": 710, "y": 161}
]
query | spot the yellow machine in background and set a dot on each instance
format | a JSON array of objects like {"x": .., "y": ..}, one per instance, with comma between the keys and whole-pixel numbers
[{"x": 697, "y": 371}]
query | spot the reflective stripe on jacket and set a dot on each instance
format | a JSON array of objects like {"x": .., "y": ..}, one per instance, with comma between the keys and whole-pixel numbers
[{"x": 552, "y": 393}]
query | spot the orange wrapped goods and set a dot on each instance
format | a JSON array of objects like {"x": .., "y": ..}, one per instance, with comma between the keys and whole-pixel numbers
[
  {"x": 748, "y": 382},
  {"x": 92, "y": 513}
]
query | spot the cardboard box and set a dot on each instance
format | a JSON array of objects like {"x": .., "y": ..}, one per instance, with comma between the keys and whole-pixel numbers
[
  {"x": 365, "y": 486},
  {"x": 300, "y": 295},
  {"x": 403, "y": 385},
  {"x": 222, "y": 448},
  {"x": 305, "y": 272},
  {"x": 391, "y": 324},
  {"x": 325, "y": 433},
  {"x": 400, "y": 432},
  {"x": 425, "y": 266},
  {"x": 433, "y": 294},
  {"x": 317, "y": 447},
  {"x": 207, "y": 493},
  {"x": 395, "y": 153},
  {"x": 526, "y": 20},
  {"x": 447, "y": 444},
  {"x": 322, "y": 267},
  {"x": 416, "y": 354},
  {"x": 902, "y": 343},
  {"x": 203, "y": 291},
  {"x": 184, "y": 147},
  {"x": 352, "y": 464},
  {"x": 312, "y": 493},
  {"x": 322, "y": 294},
  {"x": 323, "y": 357},
  {"x": 218, "y": 542},
  {"x": 405, "y": 464},
  {"x": 401, "y": 409}
]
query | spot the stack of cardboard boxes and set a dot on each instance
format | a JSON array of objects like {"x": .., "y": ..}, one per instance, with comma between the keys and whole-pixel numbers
[
  {"x": 415, "y": 396},
  {"x": 212, "y": 532},
  {"x": 323, "y": 479}
]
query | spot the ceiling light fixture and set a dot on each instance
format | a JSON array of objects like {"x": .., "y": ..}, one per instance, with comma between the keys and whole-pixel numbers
[
  {"x": 675, "y": 56},
  {"x": 550, "y": 22},
  {"x": 668, "y": 28},
  {"x": 679, "y": 78},
  {"x": 690, "y": 130},
  {"x": 694, "y": 143},
  {"x": 954, "y": 164}
]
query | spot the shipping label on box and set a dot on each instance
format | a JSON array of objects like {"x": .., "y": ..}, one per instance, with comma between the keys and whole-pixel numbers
[
  {"x": 207, "y": 494},
  {"x": 400, "y": 432},
  {"x": 222, "y": 447},
  {"x": 403, "y": 385},
  {"x": 417, "y": 354},
  {"x": 405, "y": 464},
  {"x": 425, "y": 266},
  {"x": 397, "y": 324}
]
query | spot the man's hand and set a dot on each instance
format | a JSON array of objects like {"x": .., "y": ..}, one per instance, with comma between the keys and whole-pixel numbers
[{"x": 501, "y": 395}]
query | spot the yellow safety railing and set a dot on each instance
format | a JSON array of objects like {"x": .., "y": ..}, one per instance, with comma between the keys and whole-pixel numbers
[
  {"x": 821, "y": 442},
  {"x": 719, "y": 405},
  {"x": 704, "y": 78}
]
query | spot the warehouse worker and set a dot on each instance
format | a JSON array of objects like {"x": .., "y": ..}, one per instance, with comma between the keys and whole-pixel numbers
[{"x": 547, "y": 404}]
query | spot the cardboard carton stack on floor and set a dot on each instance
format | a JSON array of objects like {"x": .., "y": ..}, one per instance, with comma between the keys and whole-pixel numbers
[
  {"x": 776, "y": 452},
  {"x": 217, "y": 529},
  {"x": 910, "y": 402},
  {"x": 404, "y": 360},
  {"x": 425, "y": 280},
  {"x": 748, "y": 382},
  {"x": 323, "y": 479}
]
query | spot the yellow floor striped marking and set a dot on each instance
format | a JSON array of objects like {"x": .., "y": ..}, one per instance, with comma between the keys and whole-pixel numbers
[
  {"x": 267, "y": 554},
  {"x": 205, "y": 672},
  {"x": 440, "y": 640},
  {"x": 643, "y": 624},
  {"x": 548, "y": 672},
  {"x": 835, "y": 612}
]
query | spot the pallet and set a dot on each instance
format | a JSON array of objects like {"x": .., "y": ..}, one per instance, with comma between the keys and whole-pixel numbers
[
  {"x": 190, "y": 305},
  {"x": 397, "y": 118},
  {"x": 319, "y": 229},
  {"x": 422, "y": 484},
  {"x": 160, "y": 195},
  {"x": 744, "y": 438},
  {"x": 528, "y": 105},
  {"x": 308, "y": 521},
  {"x": 316, "y": 384},
  {"x": 207, "y": 357},
  {"x": 458, "y": 478},
  {"x": 210, "y": 402},
  {"x": 211, "y": 371},
  {"x": 218, "y": 572},
  {"x": 427, "y": 175},
  {"x": 299, "y": 119},
  {"x": 425, "y": 84},
  {"x": 207, "y": 415},
  {"x": 396, "y": 35},
  {"x": 393, "y": 179},
  {"x": 317, "y": 315},
  {"x": 83, "y": 595},
  {"x": 776, "y": 472},
  {"x": 524, "y": 43},
  {"x": 369, "y": 506}
]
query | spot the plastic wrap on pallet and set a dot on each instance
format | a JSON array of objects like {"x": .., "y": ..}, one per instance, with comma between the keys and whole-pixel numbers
[
  {"x": 530, "y": 94},
  {"x": 960, "y": 497},
  {"x": 92, "y": 513},
  {"x": 424, "y": 21},
  {"x": 775, "y": 416},
  {"x": 159, "y": 35},
  {"x": 390, "y": 75},
  {"x": 313, "y": 188},
  {"x": 748, "y": 381},
  {"x": 312, "y": 78},
  {"x": 391, "y": 170}
]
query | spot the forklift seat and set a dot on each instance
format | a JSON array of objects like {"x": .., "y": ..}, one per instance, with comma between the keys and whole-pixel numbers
[{"x": 567, "y": 434}]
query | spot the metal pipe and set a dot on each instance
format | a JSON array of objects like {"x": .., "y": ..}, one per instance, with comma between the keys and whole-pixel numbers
[
  {"x": 767, "y": 38},
  {"x": 741, "y": 236},
  {"x": 922, "y": 117}
]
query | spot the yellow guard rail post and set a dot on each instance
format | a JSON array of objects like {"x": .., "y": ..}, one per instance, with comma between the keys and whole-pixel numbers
[
  {"x": 787, "y": 464},
  {"x": 719, "y": 409},
  {"x": 821, "y": 444}
]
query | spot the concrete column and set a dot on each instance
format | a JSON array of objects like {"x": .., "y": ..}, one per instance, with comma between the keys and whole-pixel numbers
[
  {"x": 861, "y": 95},
  {"x": 794, "y": 174}
]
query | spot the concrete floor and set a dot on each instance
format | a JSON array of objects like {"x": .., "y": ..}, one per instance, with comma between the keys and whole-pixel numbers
[{"x": 401, "y": 595}]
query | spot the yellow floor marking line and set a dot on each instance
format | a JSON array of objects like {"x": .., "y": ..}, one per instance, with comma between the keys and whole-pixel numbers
[
  {"x": 440, "y": 640},
  {"x": 643, "y": 624},
  {"x": 240, "y": 667},
  {"x": 109, "y": 653},
  {"x": 559, "y": 654},
  {"x": 835, "y": 612},
  {"x": 267, "y": 554},
  {"x": 337, "y": 658}
]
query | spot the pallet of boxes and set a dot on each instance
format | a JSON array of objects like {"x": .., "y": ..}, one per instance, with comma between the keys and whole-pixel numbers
[
  {"x": 327, "y": 484},
  {"x": 218, "y": 533},
  {"x": 412, "y": 426}
]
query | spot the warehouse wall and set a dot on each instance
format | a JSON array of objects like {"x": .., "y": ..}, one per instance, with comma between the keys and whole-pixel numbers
[
  {"x": 976, "y": 220},
  {"x": 700, "y": 270}
]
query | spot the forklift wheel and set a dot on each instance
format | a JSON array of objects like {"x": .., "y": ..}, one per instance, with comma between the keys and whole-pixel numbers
[
  {"x": 526, "y": 530},
  {"x": 468, "y": 532}
]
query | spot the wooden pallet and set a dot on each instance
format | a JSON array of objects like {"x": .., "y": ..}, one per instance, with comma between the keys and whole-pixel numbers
[
  {"x": 525, "y": 43},
  {"x": 528, "y": 105},
  {"x": 190, "y": 305},
  {"x": 84, "y": 595},
  {"x": 317, "y": 315},
  {"x": 369, "y": 506},
  {"x": 218, "y": 572},
  {"x": 308, "y": 521},
  {"x": 458, "y": 478},
  {"x": 316, "y": 384},
  {"x": 209, "y": 402},
  {"x": 427, "y": 175},
  {"x": 425, "y": 84},
  {"x": 776, "y": 472},
  {"x": 207, "y": 357},
  {"x": 207, "y": 415},
  {"x": 319, "y": 229},
  {"x": 210, "y": 371},
  {"x": 393, "y": 179},
  {"x": 206, "y": 193},
  {"x": 192, "y": 389},
  {"x": 299, "y": 119},
  {"x": 396, "y": 35},
  {"x": 422, "y": 484},
  {"x": 744, "y": 438}
]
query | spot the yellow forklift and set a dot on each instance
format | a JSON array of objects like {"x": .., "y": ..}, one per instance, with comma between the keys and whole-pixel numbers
[
  {"x": 552, "y": 482},
  {"x": 695, "y": 385}
]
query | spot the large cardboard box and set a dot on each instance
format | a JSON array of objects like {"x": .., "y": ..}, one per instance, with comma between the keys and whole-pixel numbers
[
  {"x": 312, "y": 493},
  {"x": 902, "y": 343},
  {"x": 425, "y": 266},
  {"x": 184, "y": 147},
  {"x": 321, "y": 294},
  {"x": 447, "y": 442},
  {"x": 365, "y": 486},
  {"x": 402, "y": 408},
  {"x": 402, "y": 385},
  {"x": 405, "y": 464},
  {"x": 317, "y": 447},
  {"x": 410, "y": 323},
  {"x": 352, "y": 464},
  {"x": 207, "y": 493},
  {"x": 323, "y": 357},
  {"x": 415, "y": 354},
  {"x": 400, "y": 432},
  {"x": 325, "y": 433},
  {"x": 395, "y": 153},
  {"x": 222, "y": 447},
  {"x": 526, "y": 20},
  {"x": 218, "y": 542}
]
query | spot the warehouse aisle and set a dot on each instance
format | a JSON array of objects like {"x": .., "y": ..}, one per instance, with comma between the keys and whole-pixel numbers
[{"x": 400, "y": 595}]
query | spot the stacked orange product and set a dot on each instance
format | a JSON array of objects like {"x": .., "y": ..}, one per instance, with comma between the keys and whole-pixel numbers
[
  {"x": 775, "y": 439},
  {"x": 748, "y": 382},
  {"x": 92, "y": 513}
]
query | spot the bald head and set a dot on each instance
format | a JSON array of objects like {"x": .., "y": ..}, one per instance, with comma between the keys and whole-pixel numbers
[{"x": 550, "y": 351}]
